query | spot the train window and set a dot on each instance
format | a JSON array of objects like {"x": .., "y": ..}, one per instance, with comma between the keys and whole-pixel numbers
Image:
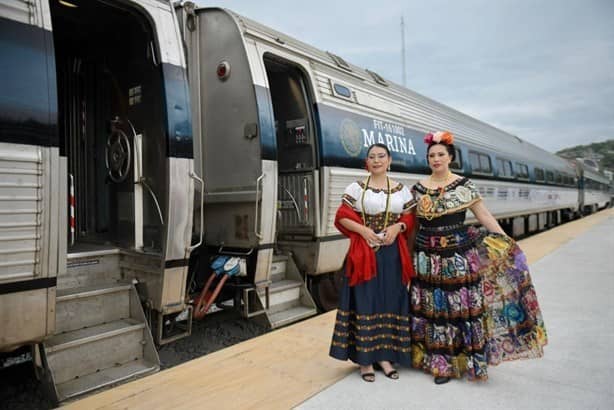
[
  {"x": 340, "y": 61},
  {"x": 539, "y": 175},
  {"x": 480, "y": 163},
  {"x": 558, "y": 178},
  {"x": 378, "y": 78},
  {"x": 549, "y": 176},
  {"x": 568, "y": 180},
  {"x": 474, "y": 160},
  {"x": 485, "y": 164},
  {"x": 342, "y": 91},
  {"x": 504, "y": 167},
  {"x": 522, "y": 171},
  {"x": 458, "y": 160}
]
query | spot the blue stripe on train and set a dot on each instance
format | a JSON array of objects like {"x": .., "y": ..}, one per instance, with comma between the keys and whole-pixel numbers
[
  {"x": 28, "y": 97},
  {"x": 343, "y": 137},
  {"x": 178, "y": 113}
]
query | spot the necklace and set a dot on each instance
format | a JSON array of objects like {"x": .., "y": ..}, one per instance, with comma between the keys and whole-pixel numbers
[
  {"x": 444, "y": 179},
  {"x": 362, "y": 201}
]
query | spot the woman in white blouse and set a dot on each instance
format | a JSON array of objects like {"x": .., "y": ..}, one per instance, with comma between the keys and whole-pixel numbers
[{"x": 372, "y": 325}]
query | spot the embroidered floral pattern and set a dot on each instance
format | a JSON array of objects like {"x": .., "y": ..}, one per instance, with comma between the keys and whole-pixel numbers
[
  {"x": 472, "y": 303},
  {"x": 454, "y": 197}
]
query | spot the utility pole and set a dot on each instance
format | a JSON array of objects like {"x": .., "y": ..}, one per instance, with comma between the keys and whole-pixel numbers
[{"x": 403, "y": 51}]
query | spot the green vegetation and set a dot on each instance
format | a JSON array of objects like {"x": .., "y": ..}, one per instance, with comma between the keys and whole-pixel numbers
[{"x": 601, "y": 152}]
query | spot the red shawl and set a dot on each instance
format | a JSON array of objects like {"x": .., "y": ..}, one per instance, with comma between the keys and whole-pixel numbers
[{"x": 360, "y": 265}]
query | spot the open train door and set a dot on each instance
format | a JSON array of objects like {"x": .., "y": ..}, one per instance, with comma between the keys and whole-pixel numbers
[{"x": 230, "y": 149}]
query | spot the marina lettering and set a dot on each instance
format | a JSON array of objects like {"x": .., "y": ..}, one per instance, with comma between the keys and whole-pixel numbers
[{"x": 394, "y": 142}]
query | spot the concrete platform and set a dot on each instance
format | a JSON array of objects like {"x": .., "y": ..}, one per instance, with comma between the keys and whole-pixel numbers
[
  {"x": 575, "y": 287},
  {"x": 574, "y": 278}
]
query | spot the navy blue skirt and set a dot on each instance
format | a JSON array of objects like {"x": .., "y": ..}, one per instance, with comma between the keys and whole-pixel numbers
[{"x": 372, "y": 322}]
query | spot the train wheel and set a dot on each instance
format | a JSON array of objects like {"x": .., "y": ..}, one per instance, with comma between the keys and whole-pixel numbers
[{"x": 325, "y": 290}]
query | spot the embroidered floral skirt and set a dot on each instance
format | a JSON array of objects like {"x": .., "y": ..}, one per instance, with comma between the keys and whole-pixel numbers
[
  {"x": 472, "y": 303},
  {"x": 372, "y": 320}
]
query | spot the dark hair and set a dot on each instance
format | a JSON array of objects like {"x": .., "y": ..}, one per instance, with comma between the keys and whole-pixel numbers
[
  {"x": 449, "y": 148},
  {"x": 377, "y": 144}
]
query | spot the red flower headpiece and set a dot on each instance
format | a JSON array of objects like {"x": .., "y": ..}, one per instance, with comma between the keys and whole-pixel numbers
[{"x": 439, "y": 137}]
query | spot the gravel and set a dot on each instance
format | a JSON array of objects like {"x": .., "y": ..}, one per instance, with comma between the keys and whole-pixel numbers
[{"x": 20, "y": 390}]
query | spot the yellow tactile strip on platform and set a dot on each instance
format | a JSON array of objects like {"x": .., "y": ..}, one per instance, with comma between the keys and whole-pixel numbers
[{"x": 540, "y": 245}]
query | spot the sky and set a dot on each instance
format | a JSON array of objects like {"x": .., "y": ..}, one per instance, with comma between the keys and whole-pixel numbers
[{"x": 539, "y": 69}]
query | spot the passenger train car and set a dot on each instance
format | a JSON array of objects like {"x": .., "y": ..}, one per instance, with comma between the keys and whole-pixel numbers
[
  {"x": 296, "y": 122},
  {"x": 96, "y": 185},
  {"x": 133, "y": 132}
]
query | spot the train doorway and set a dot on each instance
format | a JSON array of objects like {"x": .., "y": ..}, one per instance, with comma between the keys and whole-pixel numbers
[
  {"x": 110, "y": 104},
  {"x": 296, "y": 148}
]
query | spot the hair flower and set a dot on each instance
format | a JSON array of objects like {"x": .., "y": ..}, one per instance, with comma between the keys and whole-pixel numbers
[{"x": 439, "y": 137}]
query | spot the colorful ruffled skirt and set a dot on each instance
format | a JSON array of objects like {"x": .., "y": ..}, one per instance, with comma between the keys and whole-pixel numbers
[
  {"x": 472, "y": 303},
  {"x": 372, "y": 322}
]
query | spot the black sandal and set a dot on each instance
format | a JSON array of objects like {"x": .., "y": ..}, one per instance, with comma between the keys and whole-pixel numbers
[
  {"x": 392, "y": 374},
  {"x": 441, "y": 380},
  {"x": 368, "y": 377}
]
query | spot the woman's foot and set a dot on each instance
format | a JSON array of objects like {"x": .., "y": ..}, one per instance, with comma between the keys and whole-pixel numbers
[
  {"x": 441, "y": 379},
  {"x": 388, "y": 370},
  {"x": 367, "y": 373}
]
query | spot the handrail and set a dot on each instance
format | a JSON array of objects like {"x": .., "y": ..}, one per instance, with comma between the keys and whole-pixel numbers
[
  {"x": 259, "y": 235},
  {"x": 202, "y": 208},
  {"x": 296, "y": 207}
]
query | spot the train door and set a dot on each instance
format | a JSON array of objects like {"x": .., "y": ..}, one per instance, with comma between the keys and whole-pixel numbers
[
  {"x": 296, "y": 148},
  {"x": 111, "y": 125}
]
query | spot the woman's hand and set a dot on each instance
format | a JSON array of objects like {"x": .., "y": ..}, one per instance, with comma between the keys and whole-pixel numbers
[
  {"x": 370, "y": 236},
  {"x": 391, "y": 233}
]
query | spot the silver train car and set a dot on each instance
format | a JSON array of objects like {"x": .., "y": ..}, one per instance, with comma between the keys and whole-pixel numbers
[
  {"x": 281, "y": 128},
  {"x": 96, "y": 186}
]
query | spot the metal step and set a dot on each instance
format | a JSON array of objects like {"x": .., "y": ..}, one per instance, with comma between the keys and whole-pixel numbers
[
  {"x": 278, "y": 268},
  {"x": 80, "y": 352},
  {"x": 91, "y": 305},
  {"x": 291, "y": 315},
  {"x": 105, "y": 377},
  {"x": 283, "y": 291},
  {"x": 289, "y": 299},
  {"x": 102, "y": 338}
]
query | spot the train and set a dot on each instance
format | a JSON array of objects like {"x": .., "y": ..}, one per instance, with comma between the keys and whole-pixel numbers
[{"x": 142, "y": 140}]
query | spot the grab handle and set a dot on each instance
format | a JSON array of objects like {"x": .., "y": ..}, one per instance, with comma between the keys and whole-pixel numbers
[
  {"x": 259, "y": 234},
  {"x": 202, "y": 207}
]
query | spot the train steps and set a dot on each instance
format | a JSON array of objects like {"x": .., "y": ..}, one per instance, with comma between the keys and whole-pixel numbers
[
  {"x": 101, "y": 338},
  {"x": 289, "y": 300}
]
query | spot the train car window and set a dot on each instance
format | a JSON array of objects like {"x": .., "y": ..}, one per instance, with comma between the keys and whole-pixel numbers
[
  {"x": 378, "y": 78},
  {"x": 458, "y": 160},
  {"x": 558, "y": 178},
  {"x": 567, "y": 180},
  {"x": 522, "y": 171},
  {"x": 339, "y": 61},
  {"x": 474, "y": 160},
  {"x": 549, "y": 176},
  {"x": 505, "y": 168},
  {"x": 539, "y": 175},
  {"x": 485, "y": 164},
  {"x": 480, "y": 163},
  {"x": 342, "y": 91}
]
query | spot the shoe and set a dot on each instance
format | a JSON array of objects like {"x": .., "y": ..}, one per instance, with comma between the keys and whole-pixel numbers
[
  {"x": 441, "y": 380},
  {"x": 392, "y": 374},
  {"x": 369, "y": 377}
]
